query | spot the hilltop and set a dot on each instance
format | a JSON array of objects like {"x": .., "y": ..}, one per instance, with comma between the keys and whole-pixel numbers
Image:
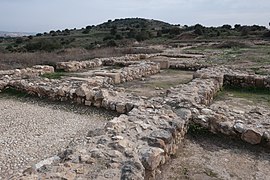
[{"x": 126, "y": 32}]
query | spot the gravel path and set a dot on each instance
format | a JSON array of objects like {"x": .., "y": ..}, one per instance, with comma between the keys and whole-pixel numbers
[{"x": 32, "y": 130}]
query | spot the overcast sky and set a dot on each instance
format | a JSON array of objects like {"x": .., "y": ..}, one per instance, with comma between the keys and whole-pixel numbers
[{"x": 45, "y": 15}]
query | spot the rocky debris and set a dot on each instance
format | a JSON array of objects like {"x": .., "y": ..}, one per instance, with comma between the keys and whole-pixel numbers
[{"x": 188, "y": 65}]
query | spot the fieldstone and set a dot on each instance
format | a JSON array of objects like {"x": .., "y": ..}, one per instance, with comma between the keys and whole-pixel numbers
[
  {"x": 132, "y": 170},
  {"x": 206, "y": 111},
  {"x": 96, "y": 153},
  {"x": 184, "y": 113},
  {"x": 163, "y": 135},
  {"x": 82, "y": 90},
  {"x": 251, "y": 136},
  {"x": 226, "y": 128},
  {"x": 48, "y": 161},
  {"x": 151, "y": 157},
  {"x": 266, "y": 135},
  {"x": 121, "y": 108},
  {"x": 129, "y": 106},
  {"x": 239, "y": 127},
  {"x": 88, "y": 103},
  {"x": 121, "y": 145}
]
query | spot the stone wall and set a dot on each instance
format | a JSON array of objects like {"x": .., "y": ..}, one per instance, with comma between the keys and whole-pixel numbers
[
  {"x": 219, "y": 118},
  {"x": 132, "y": 72},
  {"x": 246, "y": 80},
  {"x": 95, "y": 92},
  {"x": 73, "y": 66},
  {"x": 8, "y": 75},
  {"x": 235, "y": 78}
]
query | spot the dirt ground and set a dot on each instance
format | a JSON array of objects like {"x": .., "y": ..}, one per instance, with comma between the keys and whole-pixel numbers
[
  {"x": 211, "y": 157},
  {"x": 157, "y": 84}
]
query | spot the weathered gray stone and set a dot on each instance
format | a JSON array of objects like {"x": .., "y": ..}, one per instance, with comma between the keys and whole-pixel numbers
[
  {"x": 163, "y": 135},
  {"x": 239, "y": 127},
  {"x": 151, "y": 157}
]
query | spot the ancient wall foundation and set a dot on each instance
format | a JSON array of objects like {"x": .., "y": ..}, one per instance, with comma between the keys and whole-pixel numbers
[{"x": 146, "y": 134}]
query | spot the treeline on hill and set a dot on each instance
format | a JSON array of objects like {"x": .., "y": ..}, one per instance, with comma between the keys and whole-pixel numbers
[{"x": 122, "y": 32}]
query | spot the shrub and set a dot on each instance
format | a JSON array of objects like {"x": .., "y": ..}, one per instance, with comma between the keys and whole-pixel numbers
[
  {"x": 118, "y": 36},
  {"x": 86, "y": 31},
  {"x": 111, "y": 43},
  {"x": 109, "y": 37},
  {"x": 19, "y": 40},
  {"x": 43, "y": 45},
  {"x": 267, "y": 34}
]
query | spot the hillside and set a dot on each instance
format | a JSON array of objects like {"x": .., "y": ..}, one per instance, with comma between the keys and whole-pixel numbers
[{"x": 126, "y": 32}]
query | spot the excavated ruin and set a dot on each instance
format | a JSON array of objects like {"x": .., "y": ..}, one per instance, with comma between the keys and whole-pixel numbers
[{"x": 147, "y": 132}]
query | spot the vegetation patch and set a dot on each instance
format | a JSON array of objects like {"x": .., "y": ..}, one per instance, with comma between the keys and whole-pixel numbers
[
  {"x": 257, "y": 95},
  {"x": 55, "y": 75},
  {"x": 197, "y": 130},
  {"x": 15, "y": 93}
]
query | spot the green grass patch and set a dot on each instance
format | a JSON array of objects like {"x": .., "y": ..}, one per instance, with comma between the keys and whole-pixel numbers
[
  {"x": 197, "y": 130},
  {"x": 55, "y": 75},
  {"x": 257, "y": 95},
  {"x": 15, "y": 93}
]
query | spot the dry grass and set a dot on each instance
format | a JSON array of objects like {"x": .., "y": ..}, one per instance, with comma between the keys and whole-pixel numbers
[{"x": 22, "y": 60}]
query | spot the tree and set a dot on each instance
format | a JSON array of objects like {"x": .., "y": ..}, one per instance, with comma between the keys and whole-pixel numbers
[
  {"x": 244, "y": 31},
  {"x": 227, "y": 26},
  {"x": 175, "y": 31},
  {"x": 237, "y": 27},
  {"x": 132, "y": 33}
]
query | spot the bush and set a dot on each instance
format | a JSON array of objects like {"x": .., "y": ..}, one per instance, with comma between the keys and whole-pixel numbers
[
  {"x": 43, "y": 45},
  {"x": 143, "y": 35},
  {"x": 108, "y": 38},
  {"x": 19, "y": 40},
  {"x": 267, "y": 34},
  {"x": 86, "y": 31},
  {"x": 118, "y": 36},
  {"x": 111, "y": 43}
]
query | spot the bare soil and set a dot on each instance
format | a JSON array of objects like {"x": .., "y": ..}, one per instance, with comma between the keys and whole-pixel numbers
[
  {"x": 211, "y": 157},
  {"x": 157, "y": 84}
]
